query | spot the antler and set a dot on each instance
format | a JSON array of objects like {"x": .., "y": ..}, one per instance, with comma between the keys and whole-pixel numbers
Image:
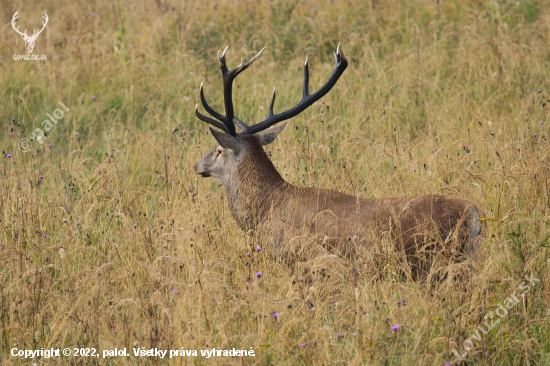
[
  {"x": 15, "y": 16},
  {"x": 229, "y": 119},
  {"x": 35, "y": 34},
  {"x": 307, "y": 99}
]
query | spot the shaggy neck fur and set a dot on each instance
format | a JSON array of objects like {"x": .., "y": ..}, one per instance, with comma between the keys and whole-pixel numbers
[{"x": 257, "y": 187}]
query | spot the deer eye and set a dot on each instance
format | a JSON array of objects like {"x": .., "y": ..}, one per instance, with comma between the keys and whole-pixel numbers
[{"x": 218, "y": 153}]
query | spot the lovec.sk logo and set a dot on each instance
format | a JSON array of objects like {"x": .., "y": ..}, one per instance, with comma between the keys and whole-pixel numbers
[{"x": 29, "y": 40}]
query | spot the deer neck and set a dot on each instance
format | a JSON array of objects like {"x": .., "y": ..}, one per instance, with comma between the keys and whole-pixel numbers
[{"x": 256, "y": 191}]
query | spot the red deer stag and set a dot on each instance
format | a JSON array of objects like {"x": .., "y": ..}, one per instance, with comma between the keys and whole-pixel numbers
[{"x": 261, "y": 200}]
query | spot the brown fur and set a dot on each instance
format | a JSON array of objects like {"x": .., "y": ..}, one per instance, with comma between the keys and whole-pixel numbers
[{"x": 261, "y": 200}]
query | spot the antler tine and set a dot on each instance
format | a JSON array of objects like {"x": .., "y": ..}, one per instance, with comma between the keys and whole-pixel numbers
[
  {"x": 307, "y": 99},
  {"x": 209, "y": 120},
  {"x": 272, "y": 104},
  {"x": 243, "y": 126},
  {"x": 229, "y": 120},
  {"x": 305, "y": 91},
  {"x": 209, "y": 109}
]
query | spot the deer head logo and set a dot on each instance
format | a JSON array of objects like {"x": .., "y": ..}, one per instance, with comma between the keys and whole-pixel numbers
[{"x": 29, "y": 41}]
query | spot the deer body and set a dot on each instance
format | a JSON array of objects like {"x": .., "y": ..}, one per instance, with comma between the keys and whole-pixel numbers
[{"x": 261, "y": 200}]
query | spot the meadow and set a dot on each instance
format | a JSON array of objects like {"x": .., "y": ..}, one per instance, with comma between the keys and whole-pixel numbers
[{"x": 108, "y": 239}]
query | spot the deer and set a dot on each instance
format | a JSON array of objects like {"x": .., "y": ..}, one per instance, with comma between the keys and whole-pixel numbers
[
  {"x": 260, "y": 200},
  {"x": 29, "y": 41}
]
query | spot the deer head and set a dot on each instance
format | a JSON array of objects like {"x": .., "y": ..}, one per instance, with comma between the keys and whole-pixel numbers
[
  {"x": 234, "y": 149},
  {"x": 29, "y": 41}
]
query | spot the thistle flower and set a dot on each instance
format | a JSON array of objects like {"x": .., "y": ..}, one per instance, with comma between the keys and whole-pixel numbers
[
  {"x": 339, "y": 336},
  {"x": 258, "y": 249},
  {"x": 40, "y": 177},
  {"x": 259, "y": 274},
  {"x": 395, "y": 328},
  {"x": 174, "y": 290},
  {"x": 8, "y": 156},
  {"x": 93, "y": 97},
  {"x": 275, "y": 315},
  {"x": 303, "y": 345}
]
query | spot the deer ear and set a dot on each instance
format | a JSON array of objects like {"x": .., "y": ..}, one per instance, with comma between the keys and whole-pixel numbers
[
  {"x": 268, "y": 136},
  {"x": 227, "y": 141}
]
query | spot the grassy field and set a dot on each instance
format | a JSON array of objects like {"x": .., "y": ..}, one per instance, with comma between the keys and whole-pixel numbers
[{"x": 108, "y": 239}]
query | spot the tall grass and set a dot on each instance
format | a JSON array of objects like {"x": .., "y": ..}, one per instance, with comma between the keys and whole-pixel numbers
[{"x": 120, "y": 244}]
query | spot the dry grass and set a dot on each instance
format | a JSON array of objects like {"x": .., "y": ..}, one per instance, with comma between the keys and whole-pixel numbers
[{"x": 122, "y": 245}]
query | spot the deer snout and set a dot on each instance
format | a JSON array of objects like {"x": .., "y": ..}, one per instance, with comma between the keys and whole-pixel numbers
[{"x": 199, "y": 169}]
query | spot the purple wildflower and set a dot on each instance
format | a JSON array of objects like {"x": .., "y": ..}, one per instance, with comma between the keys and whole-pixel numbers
[
  {"x": 174, "y": 290},
  {"x": 49, "y": 145},
  {"x": 93, "y": 97},
  {"x": 303, "y": 345},
  {"x": 259, "y": 274},
  {"x": 45, "y": 235},
  {"x": 248, "y": 254},
  {"x": 8, "y": 156},
  {"x": 40, "y": 177},
  {"x": 339, "y": 336},
  {"x": 535, "y": 134},
  {"x": 447, "y": 364},
  {"x": 275, "y": 315},
  {"x": 395, "y": 328},
  {"x": 403, "y": 301},
  {"x": 258, "y": 249}
]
